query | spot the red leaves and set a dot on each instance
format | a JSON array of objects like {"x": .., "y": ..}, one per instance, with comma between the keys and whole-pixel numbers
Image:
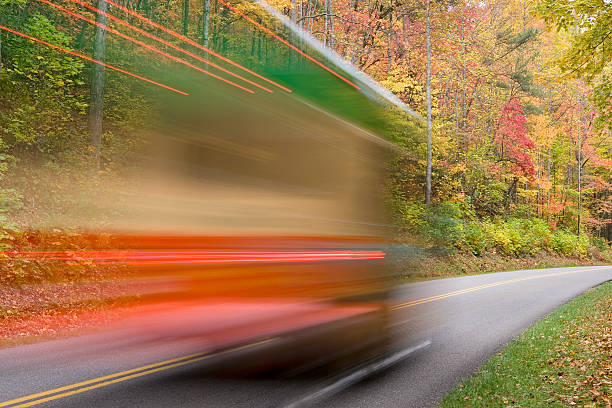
[{"x": 512, "y": 137}]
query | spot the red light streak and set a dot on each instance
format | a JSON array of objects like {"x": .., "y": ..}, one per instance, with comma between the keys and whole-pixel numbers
[
  {"x": 179, "y": 60},
  {"x": 92, "y": 60},
  {"x": 195, "y": 44},
  {"x": 153, "y": 37},
  {"x": 190, "y": 257},
  {"x": 286, "y": 43}
]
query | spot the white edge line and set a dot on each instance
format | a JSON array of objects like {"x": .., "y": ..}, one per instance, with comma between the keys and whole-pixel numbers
[{"x": 355, "y": 377}]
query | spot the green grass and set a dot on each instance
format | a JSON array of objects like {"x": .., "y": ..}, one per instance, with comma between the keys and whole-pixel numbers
[{"x": 564, "y": 360}]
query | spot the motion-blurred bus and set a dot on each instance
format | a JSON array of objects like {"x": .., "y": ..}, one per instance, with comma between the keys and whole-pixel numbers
[{"x": 255, "y": 206}]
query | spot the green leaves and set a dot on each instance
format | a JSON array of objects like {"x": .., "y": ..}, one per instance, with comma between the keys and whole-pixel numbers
[
  {"x": 41, "y": 89},
  {"x": 589, "y": 23},
  {"x": 38, "y": 63},
  {"x": 602, "y": 98},
  {"x": 451, "y": 225},
  {"x": 566, "y": 243}
]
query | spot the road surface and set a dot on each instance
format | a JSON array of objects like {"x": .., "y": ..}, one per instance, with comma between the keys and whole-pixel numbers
[{"x": 467, "y": 320}]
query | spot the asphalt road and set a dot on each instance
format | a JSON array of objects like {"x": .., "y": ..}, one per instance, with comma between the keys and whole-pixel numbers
[{"x": 467, "y": 320}]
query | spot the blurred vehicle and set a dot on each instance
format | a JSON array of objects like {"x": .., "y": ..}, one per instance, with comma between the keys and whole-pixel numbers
[{"x": 254, "y": 197}]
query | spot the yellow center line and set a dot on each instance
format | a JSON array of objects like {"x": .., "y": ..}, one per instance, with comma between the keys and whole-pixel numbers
[
  {"x": 192, "y": 358},
  {"x": 121, "y": 376},
  {"x": 475, "y": 288},
  {"x": 106, "y": 377}
]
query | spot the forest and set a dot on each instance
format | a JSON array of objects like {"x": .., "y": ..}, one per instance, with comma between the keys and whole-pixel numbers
[{"x": 515, "y": 153}]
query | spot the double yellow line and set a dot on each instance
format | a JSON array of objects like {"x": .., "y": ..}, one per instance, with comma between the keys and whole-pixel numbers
[
  {"x": 68, "y": 390},
  {"x": 475, "y": 288}
]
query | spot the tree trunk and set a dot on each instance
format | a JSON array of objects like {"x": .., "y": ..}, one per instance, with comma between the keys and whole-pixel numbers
[
  {"x": 294, "y": 12},
  {"x": 96, "y": 107},
  {"x": 205, "y": 23},
  {"x": 325, "y": 26},
  {"x": 390, "y": 35},
  {"x": 293, "y": 38},
  {"x": 464, "y": 94},
  {"x": 147, "y": 8},
  {"x": 428, "y": 86},
  {"x": 215, "y": 26},
  {"x": 569, "y": 170},
  {"x": 538, "y": 174},
  {"x": 313, "y": 9},
  {"x": 579, "y": 163},
  {"x": 329, "y": 24},
  {"x": 185, "y": 17},
  {"x": 548, "y": 177},
  {"x": 253, "y": 37},
  {"x": 81, "y": 37},
  {"x": 259, "y": 44},
  {"x": 457, "y": 124}
]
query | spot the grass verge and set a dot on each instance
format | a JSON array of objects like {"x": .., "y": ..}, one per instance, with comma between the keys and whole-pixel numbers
[{"x": 563, "y": 360}]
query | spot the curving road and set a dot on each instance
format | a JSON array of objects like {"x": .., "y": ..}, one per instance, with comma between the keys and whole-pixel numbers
[{"x": 467, "y": 320}]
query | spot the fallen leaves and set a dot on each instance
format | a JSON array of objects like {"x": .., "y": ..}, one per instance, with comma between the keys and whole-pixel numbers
[
  {"x": 564, "y": 360},
  {"x": 46, "y": 309}
]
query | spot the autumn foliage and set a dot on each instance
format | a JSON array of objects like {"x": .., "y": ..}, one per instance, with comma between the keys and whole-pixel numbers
[
  {"x": 513, "y": 139},
  {"x": 513, "y": 126},
  {"x": 512, "y": 132}
]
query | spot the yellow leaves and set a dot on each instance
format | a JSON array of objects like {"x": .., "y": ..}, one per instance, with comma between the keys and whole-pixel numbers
[
  {"x": 399, "y": 81},
  {"x": 253, "y": 9},
  {"x": 458, "y": 168},
  {"x": 542, "y": 131},
  {"x": 281, "y": 4}
]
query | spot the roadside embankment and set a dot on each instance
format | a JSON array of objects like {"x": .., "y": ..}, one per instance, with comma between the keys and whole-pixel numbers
[{"x": 425, "y": 264}]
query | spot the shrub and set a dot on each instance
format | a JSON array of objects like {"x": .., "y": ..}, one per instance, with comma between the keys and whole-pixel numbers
[
  {"x": 506, "y": 237},
  {"x": 515, "y": 236},
  {"x": 536, "y": 235},
  {"x": 452, "y": 225},
  {"x": 600, "y": 243},
  {"x": 443, "y": 226},
  {"x": 411, "y": 216},
  {"x": 567, "y": 243},
  {"x": 474, "y": 238}
]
